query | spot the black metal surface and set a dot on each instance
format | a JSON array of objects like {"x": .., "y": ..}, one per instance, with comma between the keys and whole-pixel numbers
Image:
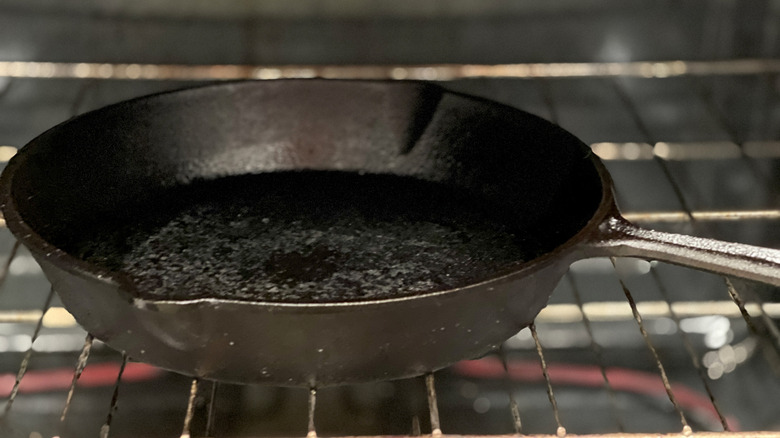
[
  {"x": 469, "y": 145},
  {"x": 306, "y": 237},
  {"x": 544, "y": 181}
]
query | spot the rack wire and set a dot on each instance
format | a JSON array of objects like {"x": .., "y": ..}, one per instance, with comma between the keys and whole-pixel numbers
[{"x": 758, "y": 315}]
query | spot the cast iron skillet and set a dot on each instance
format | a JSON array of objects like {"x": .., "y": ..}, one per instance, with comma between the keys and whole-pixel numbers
[{"x": 106, "y": 163}]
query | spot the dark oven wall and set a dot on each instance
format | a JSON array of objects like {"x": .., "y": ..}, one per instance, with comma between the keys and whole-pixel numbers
[{"x": 681, "y": 99}]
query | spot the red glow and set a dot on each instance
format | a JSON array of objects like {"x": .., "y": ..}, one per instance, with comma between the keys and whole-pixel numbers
[
  {"x": 621, "y": 379},
  {"x": 99, "y": 374}
]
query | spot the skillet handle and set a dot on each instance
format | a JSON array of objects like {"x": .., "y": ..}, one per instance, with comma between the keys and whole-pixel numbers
[{"x": 618, "y": 237}]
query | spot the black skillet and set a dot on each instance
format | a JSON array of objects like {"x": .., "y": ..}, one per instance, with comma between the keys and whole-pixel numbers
[{"x": 323, "y": 149}]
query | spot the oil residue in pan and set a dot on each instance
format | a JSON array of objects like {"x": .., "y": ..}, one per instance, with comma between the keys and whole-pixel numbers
[{"x": 307, "y": 237}]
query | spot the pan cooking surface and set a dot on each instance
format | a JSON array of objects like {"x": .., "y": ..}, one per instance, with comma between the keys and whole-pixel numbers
[{"x": 306, "y": 237}]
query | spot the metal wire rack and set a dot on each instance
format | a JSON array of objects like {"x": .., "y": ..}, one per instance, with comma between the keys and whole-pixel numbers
[{"x": 684, "y": 210}]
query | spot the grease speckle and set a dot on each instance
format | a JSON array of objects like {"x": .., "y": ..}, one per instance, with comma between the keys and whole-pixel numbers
[{"x": 306, "y": 237}]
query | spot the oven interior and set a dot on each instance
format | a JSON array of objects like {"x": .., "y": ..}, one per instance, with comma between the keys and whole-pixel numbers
[{"x": 680, "y": 98}]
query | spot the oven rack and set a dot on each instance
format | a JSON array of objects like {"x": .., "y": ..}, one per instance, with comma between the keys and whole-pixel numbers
[{"x": 754, "y": 152}]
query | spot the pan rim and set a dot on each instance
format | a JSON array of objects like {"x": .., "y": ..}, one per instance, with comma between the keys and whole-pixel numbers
[{"x": 76, "y": 266}]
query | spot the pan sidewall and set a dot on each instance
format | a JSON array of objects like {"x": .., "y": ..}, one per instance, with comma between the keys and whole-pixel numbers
[{"x": 326, "y": 345}]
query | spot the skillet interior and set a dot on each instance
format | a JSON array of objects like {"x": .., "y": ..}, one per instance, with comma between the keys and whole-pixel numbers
[{"x": 465, "y": 189}]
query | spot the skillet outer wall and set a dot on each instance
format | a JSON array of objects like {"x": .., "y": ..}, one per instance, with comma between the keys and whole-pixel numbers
[{"x": 307, "y": 345}]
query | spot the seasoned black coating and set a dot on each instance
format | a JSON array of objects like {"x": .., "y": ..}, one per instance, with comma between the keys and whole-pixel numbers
[{"x": 307, "y": 237}]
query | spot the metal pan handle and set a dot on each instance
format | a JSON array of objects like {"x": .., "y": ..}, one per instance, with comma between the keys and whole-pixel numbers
[{"x": 618, "y": 237}]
